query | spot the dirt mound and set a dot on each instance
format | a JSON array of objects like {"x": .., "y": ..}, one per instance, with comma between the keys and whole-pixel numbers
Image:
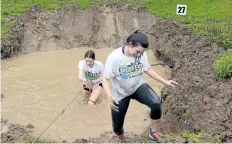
[
  {"x": 12, "y": 46},
  {"x": 202, "y": 101},
  {"x": 13, "y": 133},
  {"x": 71, "y": 27}
]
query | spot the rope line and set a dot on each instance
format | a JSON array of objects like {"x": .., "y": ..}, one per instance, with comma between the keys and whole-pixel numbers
[{"x": 57, "y": 117}]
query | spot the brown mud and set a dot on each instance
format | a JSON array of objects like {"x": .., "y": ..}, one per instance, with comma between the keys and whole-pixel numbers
[
  {"x": 202, "y": 101},
  {"x": 38, "y": 96}
]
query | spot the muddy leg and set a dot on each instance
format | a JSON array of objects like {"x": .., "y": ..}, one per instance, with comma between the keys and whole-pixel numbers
[{"x": 95, "y": 95}]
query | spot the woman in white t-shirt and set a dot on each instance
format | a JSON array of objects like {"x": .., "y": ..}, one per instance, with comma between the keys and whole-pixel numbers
[
  {"x": 90, "y": 74},
  {"x": 125, "y": 66}
]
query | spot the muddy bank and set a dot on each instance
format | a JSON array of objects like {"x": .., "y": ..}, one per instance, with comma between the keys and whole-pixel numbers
[
  {"x": 71, "y": 27},
  {"x": 202, "y": 101},
  {"x": 14, "y": 133}
]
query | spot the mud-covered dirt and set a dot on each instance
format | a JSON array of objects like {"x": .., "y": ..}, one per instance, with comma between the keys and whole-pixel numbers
[
  {"x": 71, "y": 27},
  {"x": 202, "y": 101},
  {"x": 14, "y": 133}
]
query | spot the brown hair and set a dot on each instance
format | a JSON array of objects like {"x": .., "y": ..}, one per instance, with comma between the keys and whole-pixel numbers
[{"x": 90, "y": 54}]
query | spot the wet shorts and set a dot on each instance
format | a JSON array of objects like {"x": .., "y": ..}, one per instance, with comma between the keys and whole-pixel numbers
[{"x": 87, "y": 89}]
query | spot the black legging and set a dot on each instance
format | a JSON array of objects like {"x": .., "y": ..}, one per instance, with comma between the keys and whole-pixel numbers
[{"x": 145, "y": 95}]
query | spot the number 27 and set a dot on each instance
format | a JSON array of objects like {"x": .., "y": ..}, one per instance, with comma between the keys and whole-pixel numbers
[{"x": 181, "y": 9}]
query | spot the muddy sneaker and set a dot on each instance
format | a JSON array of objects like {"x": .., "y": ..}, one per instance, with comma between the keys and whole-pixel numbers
[
  {"x": 156, "y": 136},
  {"x": 118, "y": 138}
]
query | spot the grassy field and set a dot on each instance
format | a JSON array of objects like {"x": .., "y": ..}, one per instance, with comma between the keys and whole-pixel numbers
[
  {"x": 11, "y": 8},
  {"x": 212, "y": 18}
]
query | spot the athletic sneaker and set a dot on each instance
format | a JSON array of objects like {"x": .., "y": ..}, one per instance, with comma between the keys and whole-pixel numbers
[
  {"x": 119, "y": 137},
  {"x": 156, "y": 136}
]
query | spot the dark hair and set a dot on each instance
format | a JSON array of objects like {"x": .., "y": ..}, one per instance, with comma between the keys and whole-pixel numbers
[
  {"x": 90, "y": 54},
  {"x": 138, "y": 38}
]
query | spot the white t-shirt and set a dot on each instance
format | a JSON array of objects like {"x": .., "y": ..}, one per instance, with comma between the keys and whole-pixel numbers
[
  {"x": 92, "y": 73},
  {"x": 126, "y": 73}
]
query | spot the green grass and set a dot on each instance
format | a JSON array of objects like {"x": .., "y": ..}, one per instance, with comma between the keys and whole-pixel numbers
[
  {"x": 212, "y": 18},
  {"x": 12, "y": 8},
  {"x": 192, "y": 137},
  {"x": 186, "y": 114},
  {"x": 223, "y": 65}
]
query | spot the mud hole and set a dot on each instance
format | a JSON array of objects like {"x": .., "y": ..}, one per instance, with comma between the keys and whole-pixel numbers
[
  {"x": 202, "y": 101},
  {"x": 40, "y": 96}
]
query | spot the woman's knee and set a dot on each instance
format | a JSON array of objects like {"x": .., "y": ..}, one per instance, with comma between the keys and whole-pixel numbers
[
  {"x": 156, "y": 109},
  {"x": 152, "y": 97},
  {"x": 91, "y": 102},
  {"x": 146, "y": 89},
  {"x": 94, "y": 96},
  {"x": 154, "y": 102},
  {"x": 96, "y": 92}
]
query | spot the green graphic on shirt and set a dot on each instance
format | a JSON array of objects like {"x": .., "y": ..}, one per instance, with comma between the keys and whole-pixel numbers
[
  {"x": 134, "y": 69},
  {"x": 131, "y": 71},
  {"x": 90, "y": 75}
]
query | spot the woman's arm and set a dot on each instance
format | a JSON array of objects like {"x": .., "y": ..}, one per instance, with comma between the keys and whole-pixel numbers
[
  {"x": 80, "y": 68},
  {"x": 81, "y": 77},
  {"x": 106, "y": 87},
  {"x": 156, "y": 76},
  {"x": 101, "y": 75},
  {"x": 149, "y": 71},
  {"x": 97, "y": 80},
  {"x": 108, "y": 73}
]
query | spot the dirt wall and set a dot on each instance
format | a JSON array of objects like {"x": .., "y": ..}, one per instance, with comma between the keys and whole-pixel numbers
[
  {"x": 71, "y": 27},
  {"x": 202, "y": 101}
]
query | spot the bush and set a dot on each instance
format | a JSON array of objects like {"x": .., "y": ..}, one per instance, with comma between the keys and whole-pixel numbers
[
  {"x": 229, "y": 44},
  {"x": 223, "y": 65}
]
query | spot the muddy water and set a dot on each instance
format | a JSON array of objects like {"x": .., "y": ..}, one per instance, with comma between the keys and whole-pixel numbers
[{"x": 38, "y": 86}]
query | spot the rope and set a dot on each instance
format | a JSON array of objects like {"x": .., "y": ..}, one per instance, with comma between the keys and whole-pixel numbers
[
  {"x": 56, "y": 117},
  {"x": 158, "y": 64}
]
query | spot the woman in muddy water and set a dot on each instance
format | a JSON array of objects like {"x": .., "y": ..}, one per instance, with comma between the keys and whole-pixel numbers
[
  {"x": 125, "y": 67},
  {"x": 90, "y": 74}
]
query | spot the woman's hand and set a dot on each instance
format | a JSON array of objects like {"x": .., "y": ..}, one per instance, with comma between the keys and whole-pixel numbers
[
  {"x": 93, "y": 81},
  {"x": 84, "y": 82},
  {"x": 87, "y": 84},
  {"x": 171, "y": 83},
  {"x": 111, "y": 104}
]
